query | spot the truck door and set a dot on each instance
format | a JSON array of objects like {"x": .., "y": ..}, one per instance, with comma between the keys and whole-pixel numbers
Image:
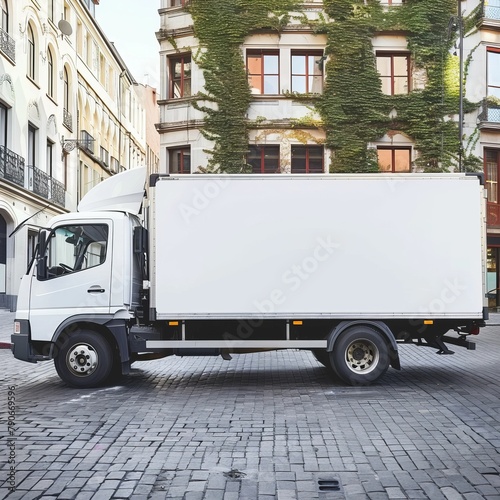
[{"x": 73, "y": 277}]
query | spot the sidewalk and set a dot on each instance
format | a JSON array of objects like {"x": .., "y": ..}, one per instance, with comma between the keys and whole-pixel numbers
[{"x": 6, "y": 326}]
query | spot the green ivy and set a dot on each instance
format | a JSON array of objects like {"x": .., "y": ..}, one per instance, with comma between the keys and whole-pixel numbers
[
  {"x": 352, "y": 106},
  {"x": 353, "y": 109},
  {"x": 221, "y": 26}
]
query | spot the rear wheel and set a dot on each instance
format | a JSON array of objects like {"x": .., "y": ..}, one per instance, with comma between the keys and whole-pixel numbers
[
  {"x": 360, "y": 355},
  {"x": 84, "y": 360}
]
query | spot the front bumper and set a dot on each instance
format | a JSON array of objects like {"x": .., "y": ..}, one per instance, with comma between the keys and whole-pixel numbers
[{"x": 21, "y": 347}]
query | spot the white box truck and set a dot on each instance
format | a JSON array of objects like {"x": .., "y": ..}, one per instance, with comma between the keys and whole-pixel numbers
[{"x": 346, "y": 266}]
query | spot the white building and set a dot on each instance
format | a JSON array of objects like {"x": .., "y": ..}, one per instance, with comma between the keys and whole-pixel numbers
[{"x": 70, "y": 116}]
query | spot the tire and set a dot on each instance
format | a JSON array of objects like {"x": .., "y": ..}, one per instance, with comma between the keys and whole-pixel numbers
[
  {"x": 360, "y": 355},
  {"x": 84, "y": 360}
]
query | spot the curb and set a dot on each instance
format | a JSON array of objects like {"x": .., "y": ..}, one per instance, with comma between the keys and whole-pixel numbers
[{"x": 5, "y": 345}]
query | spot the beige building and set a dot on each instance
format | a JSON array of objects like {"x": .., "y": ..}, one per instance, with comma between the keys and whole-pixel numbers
[{"x": 71, "y": 114}]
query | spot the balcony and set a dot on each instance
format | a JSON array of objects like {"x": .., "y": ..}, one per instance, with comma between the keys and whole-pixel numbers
[
  {"x": 11, "y": 166},
  {"x": 86, "y": 142},
  {"x": 13, "y": 169},
  {"x": 489, "y": 114},
  {"x": 7, "y": 45},
  {"x": 68, "y": 120},
  {"x": 491, "y": 13},
  {"x": 44, "y": 185}
]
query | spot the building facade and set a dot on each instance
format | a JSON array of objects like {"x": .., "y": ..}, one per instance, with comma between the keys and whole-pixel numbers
[
  {"x": 70, "y": 116},
  {"x": 334, "y": 87}
]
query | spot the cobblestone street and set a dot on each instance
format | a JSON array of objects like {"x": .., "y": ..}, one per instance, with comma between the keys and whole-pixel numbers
[{"x": 261, "y": 426}]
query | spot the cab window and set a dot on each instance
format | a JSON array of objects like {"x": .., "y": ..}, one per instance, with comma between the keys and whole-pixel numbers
[{"x": 76, "y": 248}]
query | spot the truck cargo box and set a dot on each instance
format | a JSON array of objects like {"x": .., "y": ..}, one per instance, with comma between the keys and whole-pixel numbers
[{"x": 325, "y": 246}]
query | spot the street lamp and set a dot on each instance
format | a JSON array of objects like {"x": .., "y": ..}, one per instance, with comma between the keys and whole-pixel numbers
[{"x": 461, "y": 84}]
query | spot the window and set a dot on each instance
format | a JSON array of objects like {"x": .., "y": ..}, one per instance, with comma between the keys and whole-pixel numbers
[
  {"x": 76, "y": 248},
  {"x": 180, "y": 76},
  {"x": 66, "y": 90},
  {"x": 179, "y": 161},
  {"x": 31, "y": 53},
  {"x": 491, "y": 167},
  {"x": 50, "y": 157},
  {"x": 493, "y": 72},
  {"x": 394, "y": 70},
  {"x": 50, "y": 73},
  {"x": 264, "y": 159},
  {"x": 5, "y": 16},
  {"x": 394, "y": 159},
  {"x": 263, "y": 72},
  {"x": 177, "y": 3},
  {"x": 32, "y": 133},
  {"x": 307, "y": 72},
  {"x": 51, "y": 10},
  {"x": 104, "y": 156},
  {"x": 87, "y": 141},
  {"x": 307, "y": 159},
  {"x": 3, "y": 125}
]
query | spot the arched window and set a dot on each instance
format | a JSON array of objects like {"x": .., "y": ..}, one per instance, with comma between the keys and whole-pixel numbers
[
  {"x": 5, "y": 16},
  {"x": 50, "y": 75},
  {"x": 66, "y": 90},
  {"x": 31, "y": 53}
]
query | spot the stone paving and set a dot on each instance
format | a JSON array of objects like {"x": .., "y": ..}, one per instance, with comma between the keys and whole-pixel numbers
[{"x": 262, "y": 426}]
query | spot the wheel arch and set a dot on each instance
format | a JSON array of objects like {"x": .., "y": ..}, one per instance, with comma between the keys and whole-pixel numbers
[
  {"x": 380, "y": 326},
  {"x": 113, "y": 330}
]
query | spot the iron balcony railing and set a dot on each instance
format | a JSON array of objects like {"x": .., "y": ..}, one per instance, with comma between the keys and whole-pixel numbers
[
  {"x": 67, "y": 120},
  {"x": 490, "y": 112},
  {"x": 7, "y": 45},
  {"x": 11, "y": 166},
  {"x": 491, "y": 9},
  {"x": 44, "y": 185},
  {"x": 13, "y": 169}
]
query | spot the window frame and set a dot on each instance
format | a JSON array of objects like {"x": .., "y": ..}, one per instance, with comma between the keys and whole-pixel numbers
[
  {"x": 32, "y": 144},
  {"x": 182, "y": 168},
  {"x": 31, "y": 69},
  {"x": 488, "y": 182},
  {"x": 261, "y": 149},
  {"x": 50, "y": 157},
  {"x": 66, "y": 92},
  {"x": 314, "y": 54},
  {"x": 393, "y": 150},
  {"x": 489, "y": 86},
  {"x": 50, "y": 73},
  {"x": 5, "y": 16},
  {"x": 308, "y": 148},
  {"x": 4, "y": 124},
  {"x": 184, "y": 59},
  {"x": 392, "y": 55},
  {"x": 262, "y": 53}
]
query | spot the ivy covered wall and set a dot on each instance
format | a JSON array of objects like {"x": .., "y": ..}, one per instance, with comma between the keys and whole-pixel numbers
[{"x": 353, "y": 109}]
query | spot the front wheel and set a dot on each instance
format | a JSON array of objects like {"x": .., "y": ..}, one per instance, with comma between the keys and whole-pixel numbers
[
  {"x": 84, "y": 360},
  {"x": 360, "y": 355}
]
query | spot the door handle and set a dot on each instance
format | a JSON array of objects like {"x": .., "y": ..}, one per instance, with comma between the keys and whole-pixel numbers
[{"x": 96, "y": 289}]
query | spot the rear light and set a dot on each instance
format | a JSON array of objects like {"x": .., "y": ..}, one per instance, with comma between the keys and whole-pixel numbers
[
  {"x": 17, "y": 327},
  {"x": 474, "y": 330}
]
